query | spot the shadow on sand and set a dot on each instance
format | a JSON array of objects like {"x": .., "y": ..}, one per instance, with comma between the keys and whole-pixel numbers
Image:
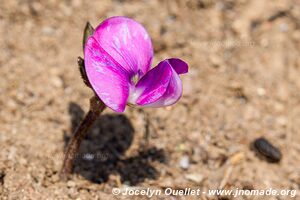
[{"x": 101, "y": 152}]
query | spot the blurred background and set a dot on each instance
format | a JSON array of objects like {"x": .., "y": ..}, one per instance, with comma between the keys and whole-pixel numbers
[{"x": 243, "y": 84}]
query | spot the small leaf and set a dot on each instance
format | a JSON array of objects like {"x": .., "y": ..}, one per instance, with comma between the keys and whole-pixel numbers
[
  {"x": 80, "y": 62},
  {"x": 88, "y": 31}
]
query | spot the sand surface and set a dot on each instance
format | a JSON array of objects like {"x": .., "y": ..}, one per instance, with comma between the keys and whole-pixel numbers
[{"x": 244, "y": 59}]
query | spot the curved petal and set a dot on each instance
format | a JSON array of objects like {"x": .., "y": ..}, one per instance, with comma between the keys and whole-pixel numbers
[
  {"x": 108, "y": 79},
  {"x": 178, "y": 65},
  {"x": 173, "y": 92},
  {"x": 152, "y": 86},
  {"x": 127, "y": 42}
]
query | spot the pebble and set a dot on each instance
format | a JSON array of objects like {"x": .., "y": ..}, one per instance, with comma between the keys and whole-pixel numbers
[
  {"x": 71, "y": 184},
  {"x": 184, "y": 162},
  {"x": 57, "y": 82},
  {"x": 237, "y": 158},
  {"x": 261, "y": 91},
  {"x": 182, "y": 147},
  {"x": 283, "y": 27},
  {"x": 197, "y": 178},
  {"x": 23, "y": 161},
  {"x": 282, "y": 121},
  {"x": 48, "y": 30},
  {"x": 11, "y": 104},
  {"x": 267, "y": 150},
  {"x": 55, "y": 178},
  {"x": 12, "y": 153}
]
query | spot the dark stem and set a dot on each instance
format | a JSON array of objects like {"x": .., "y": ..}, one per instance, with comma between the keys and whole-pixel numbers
[{"x": 96, "y": 108}]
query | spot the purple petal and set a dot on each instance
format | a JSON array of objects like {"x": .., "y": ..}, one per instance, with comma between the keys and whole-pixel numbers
[
  {"x": 127, "y": 42},
  {"x": 152, "y": 86},
  {"x": 108, "y": 79},
  {"x": 178, "y": 65},
  {"x": 173, "y": 92}
]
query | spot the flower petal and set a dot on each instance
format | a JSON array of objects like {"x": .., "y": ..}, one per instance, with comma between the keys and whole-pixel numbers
[
  {"x": 152, "y": 86},
  {"x": 108, "y": 79},
  {"x": 173, "y": 92},
  {"x": 127, "y": 42},
  {"x": 178, "y": 65}
]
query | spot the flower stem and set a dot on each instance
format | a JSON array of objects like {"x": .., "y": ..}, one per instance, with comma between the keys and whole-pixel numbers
[{"x": 96, "y": 108}]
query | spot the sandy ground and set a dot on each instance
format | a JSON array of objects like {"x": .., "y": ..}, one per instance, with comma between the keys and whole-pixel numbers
[{"x": 243, "y": 83}]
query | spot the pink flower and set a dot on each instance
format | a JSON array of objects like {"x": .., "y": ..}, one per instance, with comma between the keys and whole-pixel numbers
[{"x": 117, "y": 62}]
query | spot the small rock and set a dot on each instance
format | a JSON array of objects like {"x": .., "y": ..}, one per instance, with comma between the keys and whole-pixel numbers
[
  {"x": 267, "y": 150},
  {"x": 23, "y": 161},
  {"x": 116, "y": 179},
  {"x": 72, "y": 193},
  {"x": 12, "y": 105},
  {"x": 71, "y": 184},
  {"x": 216, "y": 60},
  {"x": 12, "y": 153},
  {"x": 282, "y": 121},
  {"x": 36, "y": 7},
  {"x": 237, "y": 158},
  {"x": 182, "y": 147},
  {"x": 184, "y": 162},
  {"x": 167, "y": 182},
  {"x": 57, "y": 82},
  {"x": 283, "y": 27},
  {"x": 261, "y": 91},
  {"x": 197, "y": 178},
  {"x": 48, "y": 30},
  {"x": 55, "y": 178}
]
